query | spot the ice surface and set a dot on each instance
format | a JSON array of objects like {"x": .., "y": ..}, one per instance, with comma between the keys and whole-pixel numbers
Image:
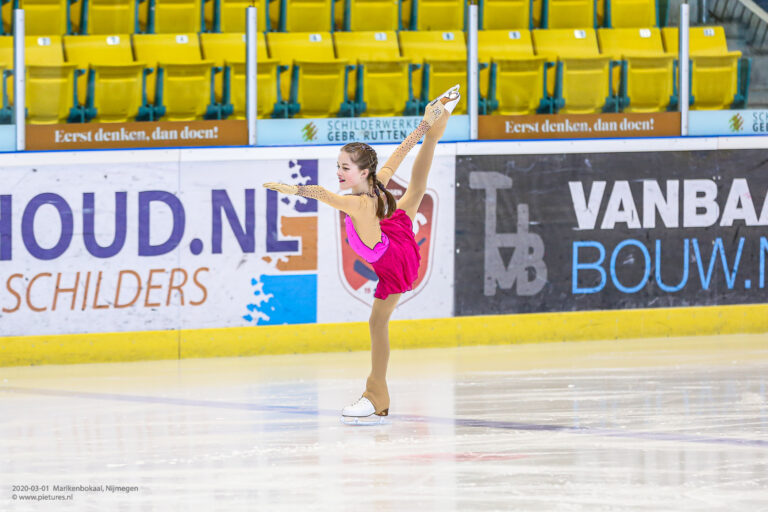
[{"x": 651, "y": 425}]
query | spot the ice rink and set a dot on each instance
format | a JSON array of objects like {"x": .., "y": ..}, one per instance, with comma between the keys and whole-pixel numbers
[{"x": 651, "y": 425}]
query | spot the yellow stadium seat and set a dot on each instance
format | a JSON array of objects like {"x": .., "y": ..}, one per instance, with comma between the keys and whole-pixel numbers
[
  {"x": 583, "y": 82},
  {"x": 367, "y": 15},
  {"x": 710, "y": 40},
  {"x": 536, "y": 6},
  {"x": 108, "y": 17},
  {"x": 648, "y": 78},
  {"x": 318, "y": 79},
  {"x": 6, "y": 62},
  {"x": 229, "y": 15},
  {"x": 51, "y": 95},
  {"x": 517, "y": 86},
  {"x": 6, "y": 14},
  {"x": 307, "y": 15},
  {"x": 228, "y": 51},
  {"x": 172, "y": 16},
  {"x": 442, "y": 55},
  {"x": 512, "y": 77},
  {"x": 406, "y": 10},
  {"x": 631, "y": 13},
  {"x": 719, "y": 77},
  {"x": 438, "y": 14},
  {"x": 45, "y": 17},
  {"x": 505, "y": 14},
  {"x": 382, "y": 85},
  {"x": 182, "y": 84},
  {"x": 569, "y": 14},
  {"x": 114, "y": 91}
]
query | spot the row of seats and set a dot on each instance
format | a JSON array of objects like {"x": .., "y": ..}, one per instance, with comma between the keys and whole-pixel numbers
[
  {"x": 59, "y": 17},
  {"x": 183, "y": 77}
]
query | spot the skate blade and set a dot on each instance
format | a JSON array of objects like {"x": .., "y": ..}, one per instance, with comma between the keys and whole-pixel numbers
[
  {"x": 453, "y": 96},
  {"x": 365, "y": 421}
]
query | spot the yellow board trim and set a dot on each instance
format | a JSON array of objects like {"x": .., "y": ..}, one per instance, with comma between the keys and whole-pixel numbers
[{"x": 404, "y": 334}]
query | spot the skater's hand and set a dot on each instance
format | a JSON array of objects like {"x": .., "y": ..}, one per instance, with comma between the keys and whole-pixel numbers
[{"x": 282, "y": 188}]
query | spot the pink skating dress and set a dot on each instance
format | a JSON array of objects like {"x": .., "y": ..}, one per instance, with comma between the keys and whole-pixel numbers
[{"x": 395, "y": 259}]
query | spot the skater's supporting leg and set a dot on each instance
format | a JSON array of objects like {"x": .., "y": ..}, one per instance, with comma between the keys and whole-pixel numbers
[{"x": 376, "y": 386}]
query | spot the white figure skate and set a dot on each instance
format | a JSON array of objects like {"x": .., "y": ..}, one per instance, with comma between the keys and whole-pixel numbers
[
  {"x": 362, "y": 412},
  {"x": 453, "y": 96}
]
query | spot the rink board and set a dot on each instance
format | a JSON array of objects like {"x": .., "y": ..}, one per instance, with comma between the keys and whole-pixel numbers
[
  {"x": 404, "y": 334},
  {"x": 252, "y": 262}
]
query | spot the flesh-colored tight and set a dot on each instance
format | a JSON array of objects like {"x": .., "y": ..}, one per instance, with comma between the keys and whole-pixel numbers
[{"x": 376, "y": 386}]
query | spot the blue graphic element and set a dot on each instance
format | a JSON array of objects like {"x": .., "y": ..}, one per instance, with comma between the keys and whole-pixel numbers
[
  {"x": 730, "y": 277},
  {"x": 747, "y": 284},
  {"x": 619, "y": 286},
  {"x": 283, "y": 299},
  {"x": 196, "y": 246},
  {"x": 364, "y": 271},
  {"x": 763, "y": 251},
  {"x": 597, "y": 265},
  {"x": 684, "y": 280}
]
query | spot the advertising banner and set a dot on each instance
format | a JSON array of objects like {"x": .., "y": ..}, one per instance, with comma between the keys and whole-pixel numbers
[
  {"x": 579, "y": 126},
  {"x": 156, "y": 134},
  {"x": 176, "y": 243},
  {"x": 373, "y": 130},
  {"x": 728, "y": 122},
  {"x": 560, "y": 232}
]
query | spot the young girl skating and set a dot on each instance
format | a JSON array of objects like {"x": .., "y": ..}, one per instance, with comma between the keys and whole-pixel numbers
[{"x": 380, "y": 230}]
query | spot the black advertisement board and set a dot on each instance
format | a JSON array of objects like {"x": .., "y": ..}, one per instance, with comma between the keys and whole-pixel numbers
[{"x": 570, "y": 232}]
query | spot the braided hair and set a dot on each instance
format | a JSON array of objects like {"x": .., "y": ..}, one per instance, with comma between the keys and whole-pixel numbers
[{"x": 364, "y": 156}]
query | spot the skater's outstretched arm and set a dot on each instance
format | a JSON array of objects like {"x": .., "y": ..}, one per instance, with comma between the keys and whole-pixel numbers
[
  {"x": 431, "y": 115},
  {"x": 350, "y": 205}
]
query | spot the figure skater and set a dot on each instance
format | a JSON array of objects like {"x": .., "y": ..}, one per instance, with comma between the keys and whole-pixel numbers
[{"x": 380, "y": 230}]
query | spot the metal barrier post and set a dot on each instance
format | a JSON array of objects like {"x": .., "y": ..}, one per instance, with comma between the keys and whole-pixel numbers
[
  {"x": 250, "y": 74},
  {"x": 19, "y": 80}
]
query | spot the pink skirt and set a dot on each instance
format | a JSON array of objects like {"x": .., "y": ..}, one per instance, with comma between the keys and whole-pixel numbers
[{"x": 398, "y": 268}]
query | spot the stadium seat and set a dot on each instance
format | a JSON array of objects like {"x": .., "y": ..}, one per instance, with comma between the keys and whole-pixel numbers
[
  {"x": 443, "y": 56},
  {"x": 108, "y": 17},
  {"x": 648, "y": 71},
  {"x": 228, "y": 16},
  {"x": 6, "y": 62},
  {"x": 406, "y": 10},
  {"x": 318, "y": 80},
  {"x": 583, "y": 82},
  {"x": 182, "y": 84},
  {"x": 368, "y": 15},
  {"x": 631, "y": 14},
  {"x": 172, "y": 16},
  {"x": 114, "y": 89},
  {"x": 437, "y": 14},
  {"x": 719, "y": 77},
  {"x": 505, "y": 14},
  {"x": 307, "y": 15},
  {"x": 228, "y": 51},
  {"x": 512, "y": 78},
  {"x": 568, "y": 14},
  {"x": 51, "y": 94},
  {"x": 382, "y": 84},
  {"x": 536, "y": 12},
  {"x": 45, "y": 17}
]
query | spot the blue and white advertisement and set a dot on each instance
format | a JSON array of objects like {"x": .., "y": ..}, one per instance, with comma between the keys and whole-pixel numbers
[
  {"x": 596, "y": 231},
  {"x": 341, "y": 130},
  {"x": 728, "y": 122},
  {"x": 160, "y": 241}
]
